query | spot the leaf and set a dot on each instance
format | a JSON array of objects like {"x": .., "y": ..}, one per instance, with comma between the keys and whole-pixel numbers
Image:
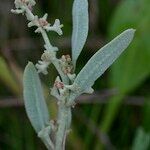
[
  {"x": 141, "y": 141},
  {"x": 80, "y": 27},
  {"x": 98, "y": 64},
  {"x": 34, "y": 99}
]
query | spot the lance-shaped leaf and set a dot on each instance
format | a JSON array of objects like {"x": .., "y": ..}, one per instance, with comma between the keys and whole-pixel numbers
[
  {"x": 34, "y": 99},
  {"x": 98, "y": 64},
  {"x": 80, "y": 27}
]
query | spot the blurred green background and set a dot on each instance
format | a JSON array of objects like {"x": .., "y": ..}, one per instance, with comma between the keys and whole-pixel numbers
[{"x": 117, "y": 115}]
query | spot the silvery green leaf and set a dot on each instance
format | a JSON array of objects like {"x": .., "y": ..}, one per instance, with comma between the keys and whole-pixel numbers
[
  {"x": 80, "y": 27},
  {"x": 98, "y": 64},
  {"x": 34, "y": 99}
]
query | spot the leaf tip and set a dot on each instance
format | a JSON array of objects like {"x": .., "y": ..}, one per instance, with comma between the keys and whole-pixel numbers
[
  {"x": 30, "y": 63},
  {"x": 132, "y": 31},
  {"x": 28, "y": 68}
]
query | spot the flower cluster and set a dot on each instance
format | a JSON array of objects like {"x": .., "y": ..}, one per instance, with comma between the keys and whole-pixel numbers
[
  {"x": 43, "y": 23},
  {"x": 43, "y": 26},
  {"x": 58, "y": 89},
  {"x": 66, "y": 64},
  {"x": 21, "y": 6},
  {"x": 42, "y": 67},
  {"x": 25, "y": 6},
  {"x": 59, "y": 85},
  {"x": 45, "y": 61}
]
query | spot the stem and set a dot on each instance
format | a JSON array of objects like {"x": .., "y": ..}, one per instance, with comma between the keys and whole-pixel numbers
[
  {"x": 30, "y": 16},
  {"x": 64, "y": 121},
  {"x": 48, "y": 143},
  {"x": 46, "y": 39},
  {"x": 44, "y": 135},
  {"x": 58, "y": 68},
  {"x": 55, "y": 61}
]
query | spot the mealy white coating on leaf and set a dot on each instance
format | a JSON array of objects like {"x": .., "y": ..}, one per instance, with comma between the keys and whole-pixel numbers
[
  {"x": 101, "y": 60},
  {"x": 34, "y": 99},
  {"x": 80, "y": 27}
]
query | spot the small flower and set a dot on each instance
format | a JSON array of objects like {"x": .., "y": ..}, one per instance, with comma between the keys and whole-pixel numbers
[
  {"x": 66, "y": 64},
  {"x": 43, "y": 21},
  {"x": 21, "y": 6},
  {"x": 20, "y": 3},
  {"x": 66, "y": 58},
  {"x": 31, "y": 3},
  {"x": 59, "y": 85},
  {"x": 39, "y": 22},
  {"x": 46, "y": 56},
  {"x": 42, "y": 67},
  {"x": 17, "y": 11},
  {"x": 34, "y": 22},
  {"x": 56, "y": 27}
]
